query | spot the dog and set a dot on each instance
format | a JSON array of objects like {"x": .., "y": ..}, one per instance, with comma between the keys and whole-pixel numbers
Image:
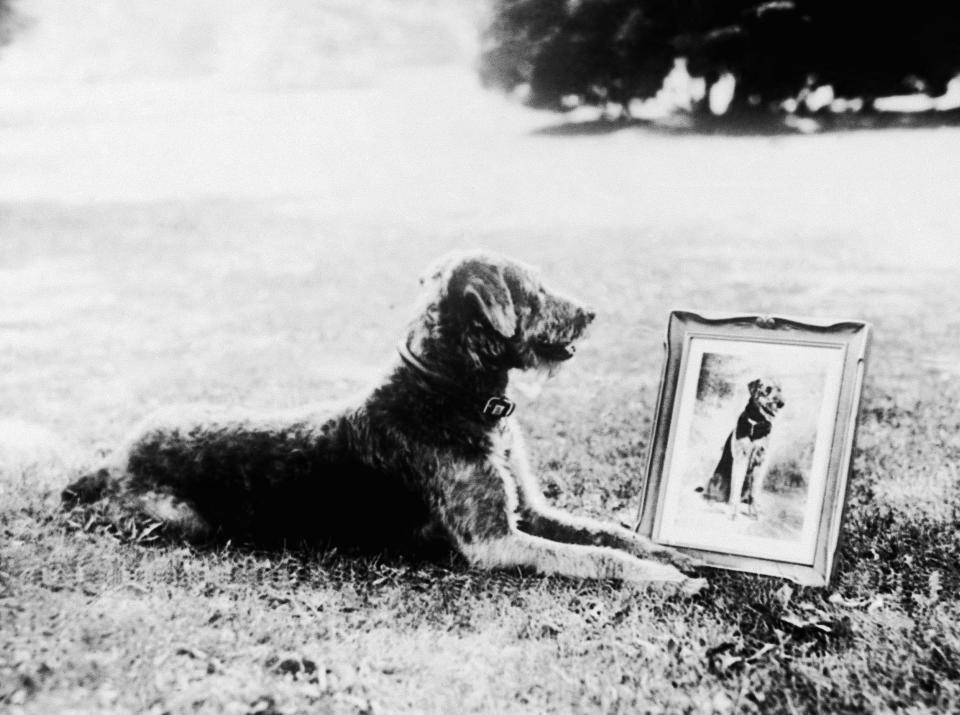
[
  {"x": 743, "y": 462},
  {"x": 430, "y": 453}
]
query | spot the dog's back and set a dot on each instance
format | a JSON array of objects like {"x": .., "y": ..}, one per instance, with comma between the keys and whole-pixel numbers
[{"x": 257, "y": 481}]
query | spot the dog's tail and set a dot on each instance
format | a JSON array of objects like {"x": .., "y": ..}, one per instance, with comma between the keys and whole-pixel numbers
[{"x": 87, "y": 489}]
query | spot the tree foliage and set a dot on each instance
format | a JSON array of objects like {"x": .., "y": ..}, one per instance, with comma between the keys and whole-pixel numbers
[
  {"x": 6, "y": 22},
  {"x": 601, "y": 51}
]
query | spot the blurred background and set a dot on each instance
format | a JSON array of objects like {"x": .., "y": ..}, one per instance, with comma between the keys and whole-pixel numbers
[
  {"x": 302, "y": 43},
  {"x": 195, "y": 192}
]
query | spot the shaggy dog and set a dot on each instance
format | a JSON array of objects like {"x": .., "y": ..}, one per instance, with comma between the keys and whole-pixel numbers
[
  {"x": 429, "y": 452},
  {"x": 743, "y": 463}
]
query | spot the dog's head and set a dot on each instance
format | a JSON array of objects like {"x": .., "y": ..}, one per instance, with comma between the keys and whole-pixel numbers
[
  {"x": 767, "y": 394},
  {"x": 500, "y": 312}
]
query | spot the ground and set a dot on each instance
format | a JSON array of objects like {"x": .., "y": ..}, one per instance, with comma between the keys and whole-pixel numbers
[{"x": 165, "y": 243}]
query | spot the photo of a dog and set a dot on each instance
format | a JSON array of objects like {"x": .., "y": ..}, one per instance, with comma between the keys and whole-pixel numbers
[
  {"x": 743, "y": 463},
  {"x": 747, "y": 462}
]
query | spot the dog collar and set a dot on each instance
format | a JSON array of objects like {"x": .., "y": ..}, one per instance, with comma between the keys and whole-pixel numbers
[
  {"x": 496, "y": 406},
  {"x": 758, "y": 429}
]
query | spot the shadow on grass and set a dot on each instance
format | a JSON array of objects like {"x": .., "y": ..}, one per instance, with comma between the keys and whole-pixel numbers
[
  {"x": 757, "y": 124},
  {"x": 103, "y": 518}
]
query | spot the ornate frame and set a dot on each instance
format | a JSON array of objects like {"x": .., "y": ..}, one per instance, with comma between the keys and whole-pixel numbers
[{"x": 850, "y": 337}]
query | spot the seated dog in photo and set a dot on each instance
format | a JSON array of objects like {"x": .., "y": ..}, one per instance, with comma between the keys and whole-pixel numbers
[
  {"x": 743, "y": 464},
  {"x": 429, "y": 452}
]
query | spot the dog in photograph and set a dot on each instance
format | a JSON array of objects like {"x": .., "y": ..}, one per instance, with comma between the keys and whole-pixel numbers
[
  {"x": 743, "y": 463},
  {"x": 430, "y": 452}
]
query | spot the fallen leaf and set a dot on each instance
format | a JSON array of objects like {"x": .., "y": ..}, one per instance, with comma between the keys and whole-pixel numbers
[{"x": 784, "y": 594}]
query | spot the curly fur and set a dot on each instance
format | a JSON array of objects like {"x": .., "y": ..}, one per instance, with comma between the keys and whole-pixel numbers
[{"x": 412, "y": 461}]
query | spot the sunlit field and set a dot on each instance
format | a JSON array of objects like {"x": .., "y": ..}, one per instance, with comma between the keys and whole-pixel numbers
[{"x": 169, "y": 239}]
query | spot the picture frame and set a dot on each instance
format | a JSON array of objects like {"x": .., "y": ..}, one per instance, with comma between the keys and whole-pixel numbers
[{"x": 764, "y": 407}]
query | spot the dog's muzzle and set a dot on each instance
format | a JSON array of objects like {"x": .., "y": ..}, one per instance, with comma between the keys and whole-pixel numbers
[{"x": 556, "y": 352}]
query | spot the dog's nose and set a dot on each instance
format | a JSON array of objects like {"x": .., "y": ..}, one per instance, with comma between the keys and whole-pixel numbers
[{"x": 587, "y": 315}]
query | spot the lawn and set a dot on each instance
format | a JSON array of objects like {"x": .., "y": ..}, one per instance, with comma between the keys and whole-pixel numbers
[{"x": 262, "y": 249}]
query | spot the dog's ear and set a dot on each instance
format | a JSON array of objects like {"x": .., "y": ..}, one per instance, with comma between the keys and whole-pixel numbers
[
  {"x": 754, "y": 385},
  {"x": 486, "y": 290}
]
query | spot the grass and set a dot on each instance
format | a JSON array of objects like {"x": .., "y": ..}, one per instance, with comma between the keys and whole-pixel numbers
[
  {"x": 117, "y": 308},
  {"x": 126, "y": 284}
]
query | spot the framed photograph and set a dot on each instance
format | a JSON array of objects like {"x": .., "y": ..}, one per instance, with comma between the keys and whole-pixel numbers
[{"x": 752, "y": 441}]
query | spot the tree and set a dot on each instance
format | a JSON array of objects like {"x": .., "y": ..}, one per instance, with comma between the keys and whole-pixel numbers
[
  {"x": 767, "y": 47},
  {"x": 601, "y": 51},
  {"x": 876, "y": 49},
  {"x": 6, "y": 22}
]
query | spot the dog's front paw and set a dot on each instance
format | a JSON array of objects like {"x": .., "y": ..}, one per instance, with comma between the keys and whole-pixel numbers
[
  {"x": 648, "y": 549},
  {"x": 682, "y": 561},
  {"x": 685, "y": 588},
  {"x": 693, "y": 586}
]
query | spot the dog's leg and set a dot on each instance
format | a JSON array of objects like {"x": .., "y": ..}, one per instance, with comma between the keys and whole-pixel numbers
[
  {"x": 177, "y": 516},
  {"x": 556, "y": 525},
  {"x": 478, "y": 506},
  {"x": 89, "y": 488},
  {"x": 537, "y": 518},
  {"x": 758, "y": 476},
  {"x": 519, "y": 550},
  {"x": 738, "y": 473},
  {"x": 130, "y": 496}
]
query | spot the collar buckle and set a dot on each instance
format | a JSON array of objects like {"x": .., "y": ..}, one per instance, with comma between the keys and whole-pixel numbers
[{"x": 499, "y": 407}]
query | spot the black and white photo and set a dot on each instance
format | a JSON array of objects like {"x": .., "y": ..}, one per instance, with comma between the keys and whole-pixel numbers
[
  {"x": 752, "y": 436},
  {"x": 334, "y": 375}
]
